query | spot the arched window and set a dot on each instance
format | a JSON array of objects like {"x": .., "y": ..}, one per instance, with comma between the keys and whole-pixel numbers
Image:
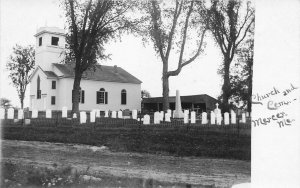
[
  {"x": 123, "y": 96},
  {"x": 38, "y": 88},
  {"x": 102, "y": 96}
]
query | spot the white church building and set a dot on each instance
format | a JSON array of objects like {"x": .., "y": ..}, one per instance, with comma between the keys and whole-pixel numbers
[{"x": 51, "y": 84}]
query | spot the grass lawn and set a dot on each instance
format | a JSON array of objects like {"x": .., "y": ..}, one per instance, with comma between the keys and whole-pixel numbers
[{"x": 169, "y": 141}]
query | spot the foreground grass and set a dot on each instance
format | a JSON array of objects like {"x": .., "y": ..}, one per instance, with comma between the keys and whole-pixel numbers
[{"x": 176, "y": 141}]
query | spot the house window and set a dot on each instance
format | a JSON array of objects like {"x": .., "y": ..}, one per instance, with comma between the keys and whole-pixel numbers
[
  {"x": 52, "y": 100},
  {"x": 123, "y": 96},
  {"x": 53, "y": 84},
  {"x": 102, "y": 96},
  {"x": 38, "y": 88},
  {"x": 54, "y": 41},
  {"x": 82, "y": 96},
  {"x": 40, "y": 41}
]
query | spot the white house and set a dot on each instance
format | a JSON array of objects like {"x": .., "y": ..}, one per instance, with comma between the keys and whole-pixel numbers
[{"x": 51, "y": 84}]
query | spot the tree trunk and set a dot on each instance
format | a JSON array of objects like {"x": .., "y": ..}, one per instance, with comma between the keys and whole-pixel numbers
[
  {"x": 75, "y": 94},
  {"x": 249, "y": 105},
  {"x": 22, "y": 102},
  {"x": 226, "y": 85},
  {"x": 165, "y": 86}
]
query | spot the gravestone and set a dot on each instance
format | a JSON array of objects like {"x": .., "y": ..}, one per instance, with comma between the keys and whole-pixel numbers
[
  {"x": 233, "y": 117},
  {"x": 186, "y": 119},
  {"x": 146, "y": 119},
  {"x": 186, "y": 112},
  {"x": 168, "y": 117},
  {"x": 34, "y": 113},
  {"x": 106, "y": 113},
  {"x": 169, "y": 111},
  {"x": 98, "y": 114},
  {"x": 48, "y": 113},
  {"x": 92, "y": 116},
  {"x": 156, "y": 118},
  {"x": 226, "y": 118},
  {"x": 64, "y": 113},
  {"x": 219, "y": 118},
  {"x": 243, "y": 118},
  {"x": 10, "y": 113},
  {"x": 161, "y": 115},
  {"x": 204, "y": 118},
  {"x": 212, "y": 118},
  {"x": 27, "y": 121},
  {"x": 120, "y": 114},
  {"x": 126, "y": 114},
  {"x": 134, "y": 114},
  {"x": 20, "y": 114},
  {"x": 247, "y": 114},
  {"x": 82, "y": 117},
  {"x": 178, "y": 109},
  {"x": 74, "y": 115},
  {"x": 193, "y": 117},
  {"x": 113, "y": 114},
  {"x": 2, "y": 113}
]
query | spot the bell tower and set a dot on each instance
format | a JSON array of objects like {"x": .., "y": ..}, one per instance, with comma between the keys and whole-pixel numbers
[{"x": 50, "y": 45}]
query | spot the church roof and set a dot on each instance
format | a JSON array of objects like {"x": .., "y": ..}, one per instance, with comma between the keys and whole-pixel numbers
[
  {"x": 50, "y": 74},
  {"x": 100, "y": 73}
]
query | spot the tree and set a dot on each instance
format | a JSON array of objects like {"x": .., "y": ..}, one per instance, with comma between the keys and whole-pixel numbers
[
  {"x": 5, "y": 103},
  {"x": 241, "y": 82},
  {"x": 168, "y": 25},
  {"x": 91, "y": 24},
  {"x": 229, "y": 27},
  {"x": 145, "y": 94},
  {"x": 20, "y": 66}
]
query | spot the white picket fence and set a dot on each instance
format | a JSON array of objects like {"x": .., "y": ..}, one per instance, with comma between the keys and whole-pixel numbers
[{"x": 189, "y": 117}]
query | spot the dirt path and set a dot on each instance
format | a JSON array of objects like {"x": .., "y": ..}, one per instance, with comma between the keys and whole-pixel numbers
[{"x": 218, "y": 172}]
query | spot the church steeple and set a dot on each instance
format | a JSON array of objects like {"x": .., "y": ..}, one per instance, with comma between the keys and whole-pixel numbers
[{"x": 50, "y": 43}]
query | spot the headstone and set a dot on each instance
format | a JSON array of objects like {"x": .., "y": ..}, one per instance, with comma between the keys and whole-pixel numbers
[
  {"x": 92, "y": 116},
  {"x": 233, "y": 117},
  {"x": 120, "y": 114},
  {"x": 27, "y": 121},
  {"x": 193, "y": 117},
  {"x": 186, "y": 112},
  {"x": 156, "y": 118},
  {"x": 10, "y": 113},
  {"x": 82, "y": 117},
  {"x": 64, "y": 113},
  {"x": 247, "y": 114},
  {"x": 219, "y": 118},
  {"x": 161, "y": 115},
  {"x": 204, "y": 118},
  {"x": 169, "y": 111},
  {"x": 217, "y": 110},
  {"x": 114, "y": 114},
  {"x": 168, "y": 117},
  {"x": 226, "y": 118},
  {"x": 75, "y": 115},
  {"x": 20, "y": 114},
  {"x": 2, "y": 113},
  {"x": 34, "y": 113},
  {"x": 106, "y": 113},
  {"x": 134, "y": 114},
  {"x": 186, "y": 119},
  {"x": 178, "y": 109},
  {"x": 243, "y": 118},
  {"x": 212, "y": 118},
  {"x": 146, "y": 119},
  {"x": 48, "y": 113}
]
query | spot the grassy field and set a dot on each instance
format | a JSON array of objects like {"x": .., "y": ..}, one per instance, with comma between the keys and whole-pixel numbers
[{"x": 177, "y": 141}]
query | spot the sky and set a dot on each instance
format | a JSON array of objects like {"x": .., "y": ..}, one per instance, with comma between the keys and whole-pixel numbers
[{"x": 20, "y": 20}]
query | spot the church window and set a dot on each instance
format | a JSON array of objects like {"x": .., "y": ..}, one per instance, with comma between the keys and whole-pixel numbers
[
  {"x": 52, "y": 100},
  {"x": 81, "y": 96},
  {"x": 102, "y": 96},
  {"x": 53, "y": 84},
  {"x": 38, "y": 90},
  {"x": 40, "y": 41},
  {"x": 54, "y": 41},
  {"x": 123, "y": 96}
]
